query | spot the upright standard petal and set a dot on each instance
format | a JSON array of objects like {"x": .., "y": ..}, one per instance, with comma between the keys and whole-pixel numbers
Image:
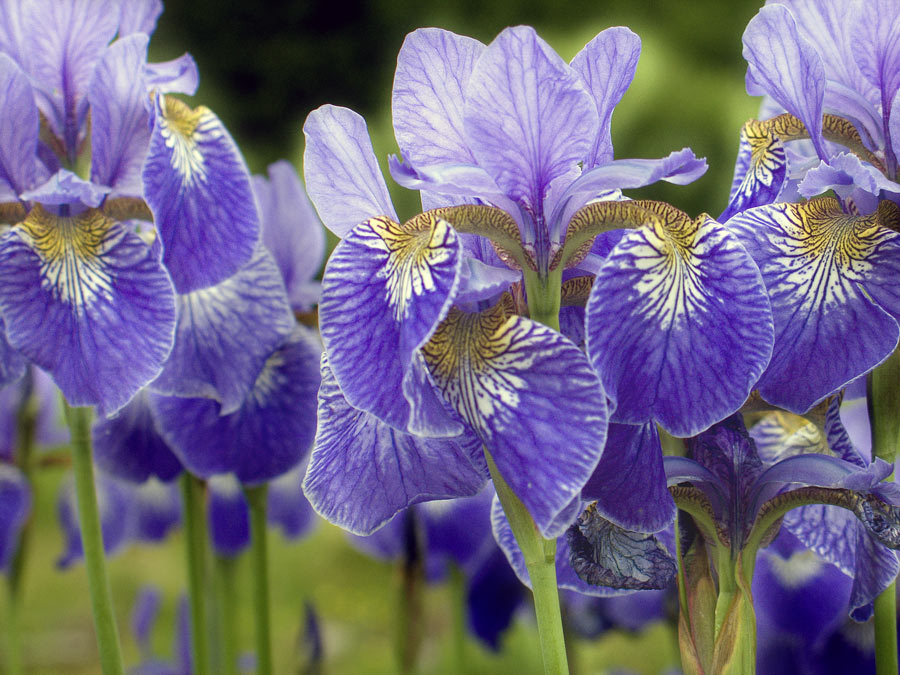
[
  {"x": 86, "y": 300},
  {"x": 362, "y": 472},
  {"x": 398, "y": 281},
  {"x": 198, "y": 187},
  {"x": 531, "y": 397},
  {"x": 340, "y": 170},
  {"x": 269, "y": 434},
  {"x": 120, "y": 124},
  {"x": 238, "y": 322},
  {"x": 785, "y": 65},
  {"x": 607, "y": 64},
  {"x": 139, "y": 16},
  {"x": 65, "y": 41},
  {"x": 18, "y": 132},
  {"x": 528, "y": 117},
  {"x": 822, "y": 269},
  {"x": 678, "y": 324},
  {"x": 291, "y": 231},
  {"x": 433, "y": 69}
]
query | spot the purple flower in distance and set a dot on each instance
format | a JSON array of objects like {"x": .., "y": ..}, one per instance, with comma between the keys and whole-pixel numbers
[{"x": 84, "y": 296}]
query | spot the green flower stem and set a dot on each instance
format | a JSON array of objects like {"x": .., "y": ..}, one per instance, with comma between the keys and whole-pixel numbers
[
  {"x": 410, "y": 604},
  {"x": 540, "y": 560},
  {"x": 458, "y": 618},
  {"x": 544, "y": 297},
  {"x": 79, "y": 421},
  {"x": 884, "y": 415},
  {"x": 196, "y": 545},
  {"x": 256, "y": 498},
  {"x": 727, "y": 586},
  {"x": 13, "y": 638},
  {"x": 226, "y": 586}
]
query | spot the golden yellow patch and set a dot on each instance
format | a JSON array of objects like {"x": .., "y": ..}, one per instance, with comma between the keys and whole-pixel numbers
[{"x": 56, "y": 237}]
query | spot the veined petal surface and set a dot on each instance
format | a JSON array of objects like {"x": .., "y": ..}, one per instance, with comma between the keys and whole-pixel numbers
[
  {"x": 678, "y": 324},
  {"x": 362, "y": 472},
  {"x": 528, "y": 117},
  {"x": 86, "y": 300},
  {"x": 385, "y": 289},
  {"x": 19, "y": 127},
  {"x": 531, "y": 397},
  {"x": 269, "y": 434},
  {"x": 340, "y": 170},
  {"x": 198, "y": 187},
  {"x": 760, "y": 169},
  {"x": 120, "y": 125},
  {"x": 433, "y": 69},
  {"x": 822, "y": 269},
  {"x": 607, "y": 64},
  {"x": 12, "y": 365},
  {"x": 238, "y": 322}
]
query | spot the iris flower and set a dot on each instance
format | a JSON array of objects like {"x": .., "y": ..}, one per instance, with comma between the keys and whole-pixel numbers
[{"x": 92, "y": 141}]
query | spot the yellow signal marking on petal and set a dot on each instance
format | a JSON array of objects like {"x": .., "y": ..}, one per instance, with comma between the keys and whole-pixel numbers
[
  {"x": 414, "y": 249},
  {"x": 469, "y": 357},
  {"x": 180, "y": 128},
  {"x": 70, "y": 250}
]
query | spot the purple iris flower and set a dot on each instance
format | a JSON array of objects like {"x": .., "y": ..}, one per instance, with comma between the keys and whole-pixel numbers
[
  {"x": 834, "y": 68},
  {"x": 143, "y": 617},
  {"x": 84, "y": 296},
  {"x": 15, "y": 507},
  {"x": 834, "y": 500}
]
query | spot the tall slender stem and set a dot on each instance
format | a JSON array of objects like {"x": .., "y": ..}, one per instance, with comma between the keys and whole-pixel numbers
[
  {"x": 196, "y": 548},
  {"x": 412, "y": 582},
  {"x": 458, "y": 619},
  {"x": 540, "y": 560},
  {"x": 884, "y": 415},
  {"x": 256, "y": 498},
  {"x": 226, "y": 585},
  {"x": 79, "y": 421}
]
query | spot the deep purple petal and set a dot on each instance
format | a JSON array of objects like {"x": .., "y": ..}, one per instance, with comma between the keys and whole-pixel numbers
[
  {"x": 759, "y": 171},
  {"x": 291, "y": 230},
  {"x": 157, "y": 510},
  {"x": 433, "y": 69},
  {"x": 198, "y": 187},
  {"x": 85, "y": 300},
  {"x": 531, "y": 397},
  {"x": 228, "y": 516},
  {"x": 679, "y": 326},
  {"x": 493, "y": 596},
  {"x": 127, "y": 445},
  {"x": 120, "y": 122},
  {"x": 18, "y": 132},
  {"x": 399, "y": 282},
  {"x": 785, "y": 65},
  {"x": 607, "y": 64},
  {"x": 822, "y": 269},
  {"x": 268, "y": 435},
  {"x": 238, "y": 322},
  {"x": 629, "y": 483},
  {"x": 15, "y": 507},
  {"x": 12, "y": 365},
  {"x": 143, "y": 616},
  {"x": 876, "y": 569},
  {"x": 528, "y": 116},
  {"x": 340, "y": 170},
  {"x": 362, "y": 472}
]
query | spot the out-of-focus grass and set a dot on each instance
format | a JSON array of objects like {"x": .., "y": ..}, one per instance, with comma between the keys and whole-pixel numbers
[{"x": 355, "y": 598}]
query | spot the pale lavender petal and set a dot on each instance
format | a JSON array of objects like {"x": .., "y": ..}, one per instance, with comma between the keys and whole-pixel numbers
[
  {"x": 291, "y": 229},
  {"x": 433, "y": 69},
  {"x": 65, "y": 187},
  {"x": 362, "y": 472},
  {"x": 15, "y": 507},
  {"x": 120, "y": 123},
  {"x": 238, "y": 322},
  {"x": 528, "y": 116},
  {"x": 340, "y": 170},
  {"x": 785, "y": 65},
  {"x": 877, "y": 25},
  {"x": 287, "y": 505},
  {"x": 178, "y": 76},
  {"x": 845, "y": 173},
  {"x": 607, "y": 64},
  {"x": 62, "y": 65},
  {"x": 12, "y": 365},
  {"x": 139, "y": 16},
  {"x": 18, "y": 132}
]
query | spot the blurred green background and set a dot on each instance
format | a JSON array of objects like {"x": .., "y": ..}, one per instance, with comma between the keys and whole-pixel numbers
[{"x": 263, "y": 67}]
